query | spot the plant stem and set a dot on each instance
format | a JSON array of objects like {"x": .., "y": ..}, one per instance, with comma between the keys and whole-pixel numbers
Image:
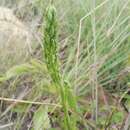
[{"x": 52, "y": 62}]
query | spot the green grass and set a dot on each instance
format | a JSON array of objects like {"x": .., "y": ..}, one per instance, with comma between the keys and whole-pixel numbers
[{"x": 82, "y": 70}]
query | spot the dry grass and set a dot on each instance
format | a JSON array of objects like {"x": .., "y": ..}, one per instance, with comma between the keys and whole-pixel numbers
[{"x": 16, "y": 40}]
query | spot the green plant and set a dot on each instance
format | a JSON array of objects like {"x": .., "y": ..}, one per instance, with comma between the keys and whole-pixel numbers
[
  {"x": 69, "y": 72},
  {"x": 52, "y": 62}
]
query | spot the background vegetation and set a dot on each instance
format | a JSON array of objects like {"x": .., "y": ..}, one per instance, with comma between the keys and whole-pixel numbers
[{"x": 64, "y": 67}]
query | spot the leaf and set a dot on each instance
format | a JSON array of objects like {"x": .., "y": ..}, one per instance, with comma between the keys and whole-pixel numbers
[
  {"x": 117, "y": 117},
  {"x": 39, "y": 65},
  {"x": 19, "y": 70},
  {"x": 34, "y": 66},
  {"x": 71, "y": 98},
  {"x": 20, "y": 108},
  {"x": 2, "y": 79},
  {"x": 72, "y": 104},
  {"x": 41, "y": 120},
  {"x": 127, "y": 96},
  {"x": 52, "y": 129}
]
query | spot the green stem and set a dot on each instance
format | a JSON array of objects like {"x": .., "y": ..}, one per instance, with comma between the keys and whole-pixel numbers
[{"x": 50, "y": 53}]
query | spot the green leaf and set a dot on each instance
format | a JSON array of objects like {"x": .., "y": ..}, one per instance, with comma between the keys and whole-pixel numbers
[
  {"x": 41, "y": 120},
  {"x": 35, "y": 66},
  {"x": 72, "y": 104},
  {"x": 2, "y": 79},
  {"x": 48, "y": 129},
  {"x": 71, "y": 98},
  {"x": 39, "y": 65},
  {"x": 127, "y": 97},
  {"x": 117, "y": 117},
  {"x": 20, "y": 108},
  {"x": 19, "y": 70}
]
